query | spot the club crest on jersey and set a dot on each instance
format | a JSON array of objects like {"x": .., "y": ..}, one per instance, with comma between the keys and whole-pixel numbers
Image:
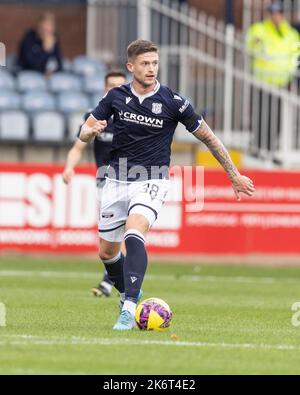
[{"x": 156, "y": 108}]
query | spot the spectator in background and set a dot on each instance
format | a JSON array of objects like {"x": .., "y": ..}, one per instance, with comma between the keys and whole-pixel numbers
[
  {"x": 39, "y": 49},
  {"x": 273, "y": 45}
]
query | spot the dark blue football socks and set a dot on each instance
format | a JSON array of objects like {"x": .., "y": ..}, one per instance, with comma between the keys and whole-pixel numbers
[
  {"x": 135, "y": 265},
  {"x": 114, "y": 268}
]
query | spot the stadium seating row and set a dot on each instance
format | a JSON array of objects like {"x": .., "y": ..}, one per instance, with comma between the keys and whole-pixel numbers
[
  {"x": 65, "y": 102},
  {"x": 28, "y": 81},
  {"x": 45, "y": 126},
  {"x": 82, "y": 65},
  {"x": 36, "y": 109}
]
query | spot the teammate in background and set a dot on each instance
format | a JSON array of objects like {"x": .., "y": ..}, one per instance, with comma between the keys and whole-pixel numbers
[
  {"x": 145, "y": 117},
  {"x": 102, "y": 147}
]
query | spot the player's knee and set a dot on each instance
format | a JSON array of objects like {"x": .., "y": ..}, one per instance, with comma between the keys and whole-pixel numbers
[
  {"x": 105, "y": 255},
  {"x": 108, "y": 250},
  {"x": 138, "y": 222}
]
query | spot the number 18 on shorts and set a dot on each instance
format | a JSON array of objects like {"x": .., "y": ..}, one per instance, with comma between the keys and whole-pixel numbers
[{"x": 121, "y": 199}]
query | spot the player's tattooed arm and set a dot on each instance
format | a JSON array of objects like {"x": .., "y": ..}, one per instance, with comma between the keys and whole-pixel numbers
[
  {"x": 239, "y": 183},
  {"x": 213, "y": 143}
]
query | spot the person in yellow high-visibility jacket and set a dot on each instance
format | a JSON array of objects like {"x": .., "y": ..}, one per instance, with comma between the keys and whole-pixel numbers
[{"x": 274, "y": 47}]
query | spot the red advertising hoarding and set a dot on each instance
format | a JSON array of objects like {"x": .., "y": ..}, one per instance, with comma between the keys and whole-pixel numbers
[{"x": 39, "y": 213}]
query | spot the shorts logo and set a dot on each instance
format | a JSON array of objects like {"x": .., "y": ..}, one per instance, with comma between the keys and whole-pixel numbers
[
  {"x": 107, "y": 215},
  {"x": 156, "y": 108},
  {"x": 133, "y": 279}
]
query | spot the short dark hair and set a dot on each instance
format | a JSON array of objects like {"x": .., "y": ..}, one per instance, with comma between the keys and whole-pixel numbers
[
  {"x": 114, "y": 73},
  {"x": 139, "y": 47}
]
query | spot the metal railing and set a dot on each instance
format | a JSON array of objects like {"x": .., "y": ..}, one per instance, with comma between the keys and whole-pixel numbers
[
  {"x": 206, "y": 61},
  {"x": 111, "y": 26}
]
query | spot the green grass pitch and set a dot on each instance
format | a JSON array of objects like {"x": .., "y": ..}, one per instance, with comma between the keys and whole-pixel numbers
[{"x": 226, "y": 320}]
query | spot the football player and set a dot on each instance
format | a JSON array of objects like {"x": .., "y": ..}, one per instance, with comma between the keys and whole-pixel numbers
[{"x": 145, "y": 115}]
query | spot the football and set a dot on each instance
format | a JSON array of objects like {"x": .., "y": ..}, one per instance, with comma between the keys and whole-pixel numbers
[{"x": 153, "y": 314}]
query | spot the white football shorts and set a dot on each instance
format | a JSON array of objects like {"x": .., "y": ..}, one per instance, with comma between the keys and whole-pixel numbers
[
  {"x": 120, "y": 199},
  {"x": 100, "y": 182}
]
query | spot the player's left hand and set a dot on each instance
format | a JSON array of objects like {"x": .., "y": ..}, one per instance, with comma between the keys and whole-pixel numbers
[{"x": 242, "y": 184}]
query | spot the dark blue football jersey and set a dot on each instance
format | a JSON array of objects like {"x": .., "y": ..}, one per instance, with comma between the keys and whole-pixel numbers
[
  {"x": 102, "y": 143},
  {"x": 144, "y": 127}
]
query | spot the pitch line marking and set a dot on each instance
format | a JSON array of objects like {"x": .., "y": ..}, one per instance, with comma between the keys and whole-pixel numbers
[
  {"x": 151, "y": 277},
  {"x": 28, "y": 340},
  {"x": 2, "y": 315}
]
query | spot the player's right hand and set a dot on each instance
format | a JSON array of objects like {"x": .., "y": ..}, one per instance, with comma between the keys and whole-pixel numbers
[
  {"x": 67, "y": 175},
  {"x": 98, "y": 128}
]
